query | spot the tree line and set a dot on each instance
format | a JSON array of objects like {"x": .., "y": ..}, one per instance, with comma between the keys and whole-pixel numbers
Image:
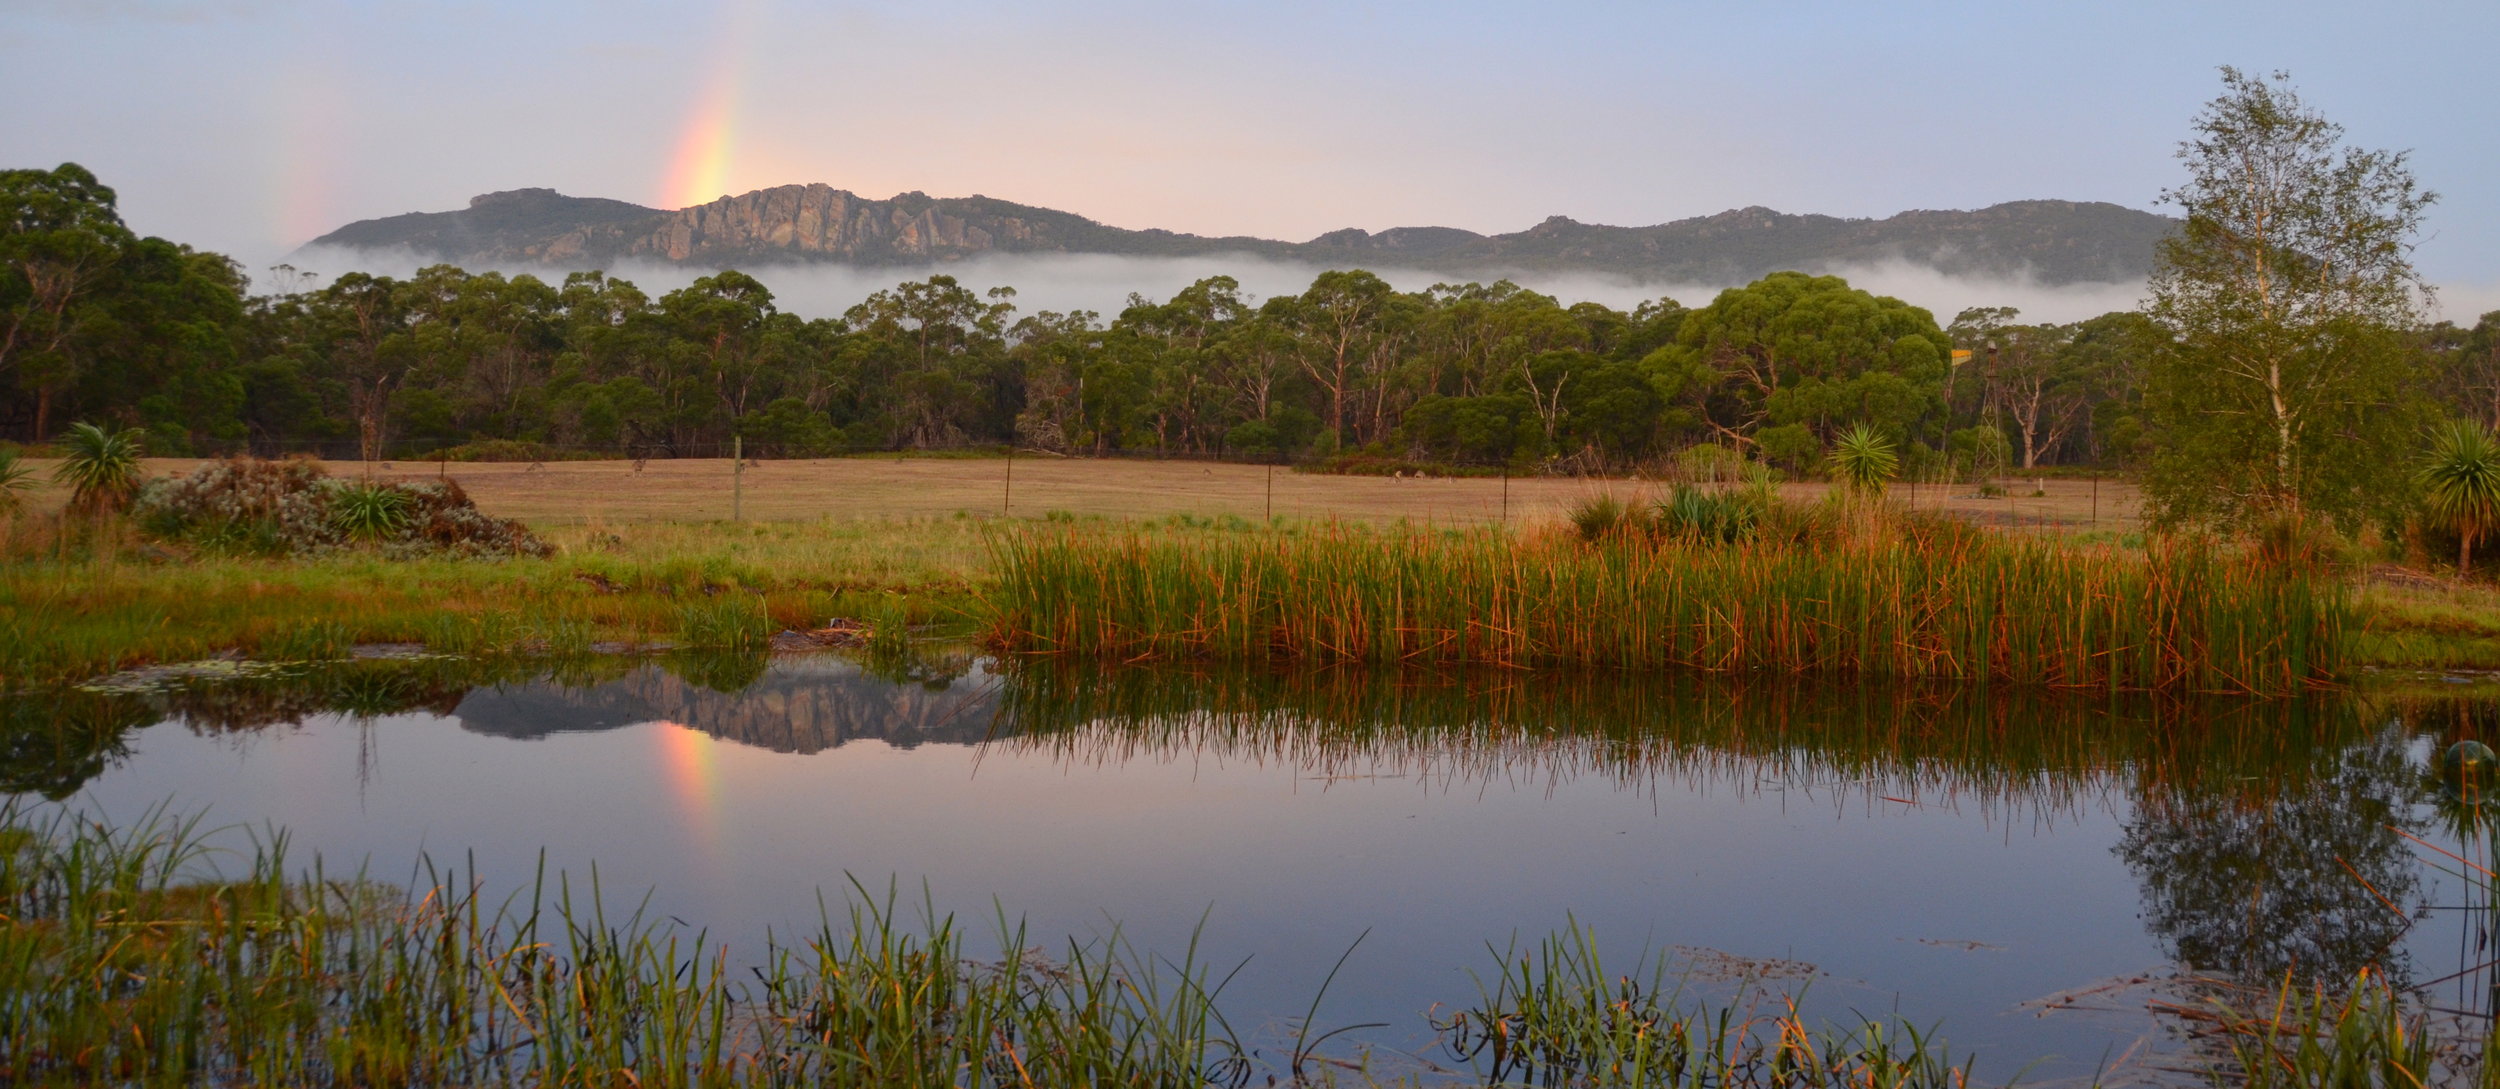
[{"x": 99, "y": 324}]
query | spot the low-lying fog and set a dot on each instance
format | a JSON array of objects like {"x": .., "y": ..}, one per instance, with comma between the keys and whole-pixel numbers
[{"x": 1103, "y": 283}]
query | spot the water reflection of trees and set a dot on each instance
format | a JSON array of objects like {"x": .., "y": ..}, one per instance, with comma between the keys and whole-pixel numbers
[
  {"x": 2305, "y": 874},
  {"x": 52, "y": 743},
  {"x": 2263, "y": 834}
]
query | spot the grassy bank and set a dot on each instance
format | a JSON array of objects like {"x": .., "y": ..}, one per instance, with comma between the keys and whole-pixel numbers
[
  {"x": 1960, "y": 605},
  {"x": 102, "y": 600}
]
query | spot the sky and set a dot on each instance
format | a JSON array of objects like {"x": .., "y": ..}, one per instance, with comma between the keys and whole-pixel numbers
[{"x": 251, "y": 126}]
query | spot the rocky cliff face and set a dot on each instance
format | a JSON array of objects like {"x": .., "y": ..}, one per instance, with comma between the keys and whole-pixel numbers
[
  {"x": 2053, "y": 241},
  {"x": 801, "y": 705},
  {"x": 804, "y": 222}
]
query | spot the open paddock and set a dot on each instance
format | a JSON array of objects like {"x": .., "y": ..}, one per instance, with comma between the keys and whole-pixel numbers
[{"x": 703, "y": 489}]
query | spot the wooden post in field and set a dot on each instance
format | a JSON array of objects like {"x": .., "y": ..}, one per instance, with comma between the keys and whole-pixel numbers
[
  {"x": 1008, "y": 493},
  {"x": 737, "y": 478},
  {"x": 1271, "y": 493},
  {"x": 2096, "y": 499}
]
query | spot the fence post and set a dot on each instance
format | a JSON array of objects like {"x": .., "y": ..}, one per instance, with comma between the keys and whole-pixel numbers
[
  {"x": 737, "y": 478},
  {"x": 1008, "y": 494}
]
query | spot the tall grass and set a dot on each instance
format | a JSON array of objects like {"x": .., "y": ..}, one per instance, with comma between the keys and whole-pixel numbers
[
  {"x": 114, "y": 970},
  {"x": 1957, "y": 605},
  {"x": 1554, "y": 1016}
]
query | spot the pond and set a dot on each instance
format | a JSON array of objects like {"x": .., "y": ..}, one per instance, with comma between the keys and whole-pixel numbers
[{"x": 2023, "y": 872}]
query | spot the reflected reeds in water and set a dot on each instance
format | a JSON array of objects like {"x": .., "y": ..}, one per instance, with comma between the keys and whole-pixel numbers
[{"x": 2000, "y": 747}]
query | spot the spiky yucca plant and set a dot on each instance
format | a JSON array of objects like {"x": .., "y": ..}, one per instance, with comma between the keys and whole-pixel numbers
[
  {"x": 15, "y": 478},
  {"x": 370, "y": 512},
  {"x": 2460, "y": 480},
  {"x": 101, "y": 467},
  {"x": 1863, "y": 459}
]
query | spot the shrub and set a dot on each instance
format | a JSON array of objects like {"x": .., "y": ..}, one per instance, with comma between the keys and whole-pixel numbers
[
  {"x": 1790, "y": 445},
  {"x": 295, "y": 508},
  {"x": 1721, "y": 516},
  {"x": 1603, "y": 515},
  {"x": 1710, "y": 463}
]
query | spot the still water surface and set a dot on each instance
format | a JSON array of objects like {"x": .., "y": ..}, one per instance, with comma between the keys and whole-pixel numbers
[{"x": 1983, "y": 862}]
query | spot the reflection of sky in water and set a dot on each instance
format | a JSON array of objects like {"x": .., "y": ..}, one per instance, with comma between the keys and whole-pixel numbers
[{"x": 1766, "y": 858}]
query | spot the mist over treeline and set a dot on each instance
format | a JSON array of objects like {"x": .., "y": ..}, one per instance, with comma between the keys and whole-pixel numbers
[{"x": 100, "y": 325}]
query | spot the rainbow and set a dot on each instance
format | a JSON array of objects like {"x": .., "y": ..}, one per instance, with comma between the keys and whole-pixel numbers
[
  {"x": 698, "y": 171},
  {"x": 687, "y": 762}
]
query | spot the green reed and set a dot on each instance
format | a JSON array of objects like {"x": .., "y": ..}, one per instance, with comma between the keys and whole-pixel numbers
[
  {"x": 115, "y": 968},
  {"x": 1554, "y": 1016},
  {"x": 2176, "y": 618}
]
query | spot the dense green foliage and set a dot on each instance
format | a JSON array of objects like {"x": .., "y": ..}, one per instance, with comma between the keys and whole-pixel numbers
[
  {"x": 2289, "y": 383},
  {"x": 109, "y": 327}
]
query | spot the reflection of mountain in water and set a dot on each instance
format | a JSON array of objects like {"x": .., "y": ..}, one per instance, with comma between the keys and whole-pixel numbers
[{"x": 802, "y": 705}]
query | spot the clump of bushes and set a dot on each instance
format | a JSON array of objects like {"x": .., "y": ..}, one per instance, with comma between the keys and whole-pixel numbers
[{"x": 295, "y": 508}]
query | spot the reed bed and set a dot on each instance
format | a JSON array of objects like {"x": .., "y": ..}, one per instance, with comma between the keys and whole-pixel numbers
[{"x": 1960, "y": 606}]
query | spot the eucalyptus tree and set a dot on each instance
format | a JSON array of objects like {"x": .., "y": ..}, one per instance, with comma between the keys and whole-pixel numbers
[
  {"x": 2290, "y": 292},
  {"x": 2465, "y": 368},
  {"x": 60, "y": 237},
  {"x": 359, "y": 338},
  {"x": 929, "y": 350},
  {"x": 1810, "y": 353},
  {"x": 1345, "y": 326}
]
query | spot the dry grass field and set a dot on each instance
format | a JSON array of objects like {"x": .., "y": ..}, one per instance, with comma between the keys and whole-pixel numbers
[{"x": 558, "y": 493}]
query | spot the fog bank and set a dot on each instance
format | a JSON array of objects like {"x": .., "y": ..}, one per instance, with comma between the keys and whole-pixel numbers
[{"x": 1103, "y": 283}]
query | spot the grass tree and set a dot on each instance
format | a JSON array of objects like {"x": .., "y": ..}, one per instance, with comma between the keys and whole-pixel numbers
[
  {"x": 100, "y": 467},
  {"x": 2461, "y": 484},
  {"x": 1863, "y": 459},
  {"x": 15, "y": 479}
]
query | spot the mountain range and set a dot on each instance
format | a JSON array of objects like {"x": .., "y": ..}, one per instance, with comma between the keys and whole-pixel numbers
[{"x": 2052, "y": 241}]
